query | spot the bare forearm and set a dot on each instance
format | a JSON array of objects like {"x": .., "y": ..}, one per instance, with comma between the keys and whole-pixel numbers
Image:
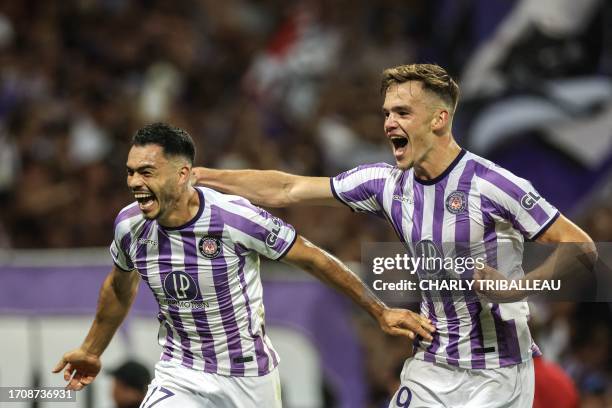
[
  {"x": 264, "y": 187},
  {"x": 332, "y": 271},
  {"x": 113, "y": 305}
]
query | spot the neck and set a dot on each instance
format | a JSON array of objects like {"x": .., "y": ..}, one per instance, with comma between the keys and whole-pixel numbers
[
  {"x": 183, "y": 210},
  {"x": 437, "y": 160}
]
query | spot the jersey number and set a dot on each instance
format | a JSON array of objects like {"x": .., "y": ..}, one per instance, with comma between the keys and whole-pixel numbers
[
  {"x": 404, "y": 396},
  {"x": 165, "y": 393}
]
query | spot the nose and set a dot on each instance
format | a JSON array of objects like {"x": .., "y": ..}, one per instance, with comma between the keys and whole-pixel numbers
[
  {"x": 390, "y": 123},
  {"x": 134, "y": 181}
]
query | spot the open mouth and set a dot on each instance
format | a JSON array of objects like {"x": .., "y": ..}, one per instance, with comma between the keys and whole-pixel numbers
[
  {"x": 399, "y": 141},
  {"x": 145, "y": 199},
  {"x": 400, "y": 146}
]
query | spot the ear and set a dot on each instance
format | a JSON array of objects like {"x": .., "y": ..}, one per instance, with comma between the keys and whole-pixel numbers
[
  {"x": 184, "y": 174},
  {"x": 440, "y": 120}
]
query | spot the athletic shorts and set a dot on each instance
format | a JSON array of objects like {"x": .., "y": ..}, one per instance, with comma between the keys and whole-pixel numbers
[
  {"x": 178, "y": 386},
  {"x": 429, "y": 385}
]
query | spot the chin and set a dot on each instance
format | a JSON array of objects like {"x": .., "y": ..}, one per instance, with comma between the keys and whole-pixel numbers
[
  {"x": 404, "y": 164},
  {"x": 150, "y": 216}
]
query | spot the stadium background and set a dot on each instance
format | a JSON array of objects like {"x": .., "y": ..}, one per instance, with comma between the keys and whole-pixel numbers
[{"x": 291, "y": 85}]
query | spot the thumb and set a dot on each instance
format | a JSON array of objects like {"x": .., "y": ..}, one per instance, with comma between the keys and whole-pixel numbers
[{"x": 62, "y": 363}]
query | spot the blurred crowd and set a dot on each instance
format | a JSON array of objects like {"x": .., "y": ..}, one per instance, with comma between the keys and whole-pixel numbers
[{"x": 290, "y": 85}]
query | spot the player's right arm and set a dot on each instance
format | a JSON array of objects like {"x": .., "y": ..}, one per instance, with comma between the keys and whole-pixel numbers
[
  {"x": 269, "y": 188},
  {"x": 329, "y": 269},
  {"x": 82, "y": 365}
]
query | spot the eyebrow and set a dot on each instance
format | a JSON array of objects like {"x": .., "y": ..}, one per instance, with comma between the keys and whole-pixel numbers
[
  {"x": 398, "y": 108},
  {"x": 141, "y": 168}
]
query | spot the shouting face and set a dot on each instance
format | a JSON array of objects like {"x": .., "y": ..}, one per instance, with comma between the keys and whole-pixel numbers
[
  {"x": 154, "y": 179},
  {"x": 411, "y": 121}
]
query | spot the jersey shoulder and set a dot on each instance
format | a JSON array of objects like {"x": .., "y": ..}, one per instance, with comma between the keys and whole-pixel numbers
[
  {"x": 492, "y": 178},
  {"x": 128, "y": 219}
]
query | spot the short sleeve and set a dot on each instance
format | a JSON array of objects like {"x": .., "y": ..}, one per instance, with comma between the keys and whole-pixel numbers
[
  {"x": 122, "y": 240},
  {"x": 257, "y": 230},
  {"x": 361, "y": 188},
  {"x": 517, "y": 201}
]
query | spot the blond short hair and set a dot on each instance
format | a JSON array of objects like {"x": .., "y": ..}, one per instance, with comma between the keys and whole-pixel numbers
[{"x": 433, "y": 77}]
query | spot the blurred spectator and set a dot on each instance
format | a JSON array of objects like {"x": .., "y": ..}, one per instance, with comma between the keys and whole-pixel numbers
[
  {"x": 130, "y": 381},
  {"x": 293, "y": 86},
  {"x": 553, "y": 388}
]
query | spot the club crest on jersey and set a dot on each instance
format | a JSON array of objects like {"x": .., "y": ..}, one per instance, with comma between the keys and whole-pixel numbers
[
  {"x": 209, "y": 247},
  {"x": 456, "y": 202}
]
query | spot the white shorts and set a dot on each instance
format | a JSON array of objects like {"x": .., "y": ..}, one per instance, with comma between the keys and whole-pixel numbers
[
  {"x": 428, "y": 385},
  {"x": 178, "y": 386}
]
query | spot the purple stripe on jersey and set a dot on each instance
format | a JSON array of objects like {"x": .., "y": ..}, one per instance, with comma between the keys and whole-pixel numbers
[
  {"x": 438, "y": 212},
  {"x": 224, "y": 295},
  {"x": 199, "y": 315},
  {"x": 365, "y": 191},
  {"x": 493, "y": 207},
  {"x": 514, "y": 191},
  {"x": 462, "y": 248},
  {"x": 141, "y": 266},
  {"x": 168, "y": 348},
  {"x": 129, "y": 212},
  {"x": 476, "y": 336},
  {"x": 417, "y": 214},
  {"x": 430, "y": 352},
  {"x": 126, "y": 241},
  {"x": 164, "y": 261},
  {"x": 262, "y": 357},
  {"x": 397, "y": 205},
  {"x": 251, "y": 228},
  {"x": 347, "y": 173},
  {"x": 507, "y": 339}
]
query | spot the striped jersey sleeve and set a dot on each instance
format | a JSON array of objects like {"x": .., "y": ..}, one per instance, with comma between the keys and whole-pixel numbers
[
  {"x": 119, "y": 248},
  {"x": 516, "y": 200},
  {"x": 255, "y": 229},
  {"x": 362, "y": 188}
]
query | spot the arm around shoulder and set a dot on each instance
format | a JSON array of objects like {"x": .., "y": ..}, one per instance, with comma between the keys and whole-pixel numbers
[{"x": 269, "y": 188}]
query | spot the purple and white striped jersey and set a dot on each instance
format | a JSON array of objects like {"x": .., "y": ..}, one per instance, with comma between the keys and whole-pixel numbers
[
  {"x": 481, "y": 210},
  {"x": 205, "y": 277}
]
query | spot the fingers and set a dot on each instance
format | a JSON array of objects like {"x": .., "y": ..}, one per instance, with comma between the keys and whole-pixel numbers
[
  {"x": 396, "y": 331},
  {"x": 410, "y": 324},
  {"x": 68, "y": 372}
]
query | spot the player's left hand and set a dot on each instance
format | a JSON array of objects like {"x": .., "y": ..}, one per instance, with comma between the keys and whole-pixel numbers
[
  {"x": 402, "y": 322},
  {"x": 486, "y": 275}
]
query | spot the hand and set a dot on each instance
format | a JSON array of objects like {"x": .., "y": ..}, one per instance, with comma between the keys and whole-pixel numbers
[
  {"x": 83, "y": 365},
  {"x": 402, "y": 322},
  {"x": 486, "y": 275},
  {"x": 198, "y": 174}
]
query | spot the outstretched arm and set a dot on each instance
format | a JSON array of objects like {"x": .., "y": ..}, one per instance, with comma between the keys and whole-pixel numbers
[
  {"x": 268, "y": 188},
  {"x": 332, "y": 271},
  {"x": 116, "y": 297}
]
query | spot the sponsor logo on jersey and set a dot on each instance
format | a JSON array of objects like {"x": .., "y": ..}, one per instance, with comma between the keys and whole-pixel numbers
[
  {"x": 529, "y": 200},
  {"x": 180, "y": 286},
  {"x": 145, "y": 241},
  {"x": 209, "y": 247},
  {"x": 456, "y": 202},
  {"x": 273, "y": 235},
  {"x": 405, "y": 199}
]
